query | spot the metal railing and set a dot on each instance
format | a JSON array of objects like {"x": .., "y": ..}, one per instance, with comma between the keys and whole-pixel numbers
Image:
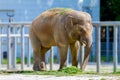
[
  {"x": 11, "y": 55},
  {"x": 115, "y": 42},
  {"x": 21, "y": 25}
]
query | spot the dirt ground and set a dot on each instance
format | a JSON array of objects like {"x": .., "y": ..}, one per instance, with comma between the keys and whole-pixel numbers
[{"x": 105, "y": 68}]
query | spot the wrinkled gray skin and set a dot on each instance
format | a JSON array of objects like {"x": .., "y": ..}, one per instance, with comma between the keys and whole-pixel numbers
[{"x": 61, "y": 27}]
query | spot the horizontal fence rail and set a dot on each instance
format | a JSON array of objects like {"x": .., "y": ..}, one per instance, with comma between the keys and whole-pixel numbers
[{"x": 11, "y": 37}]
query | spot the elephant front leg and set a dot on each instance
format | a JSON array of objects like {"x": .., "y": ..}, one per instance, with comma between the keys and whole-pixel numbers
[
  {"x": 74, "y": 47},
  {"x": 63, "y": 56}
]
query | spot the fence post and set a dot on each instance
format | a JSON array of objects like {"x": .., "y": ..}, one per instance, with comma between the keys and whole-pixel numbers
[
  {"x": 22, "y": 47},
  {"x": 115, "y": 48},
  {"x": 51, "y": 58},
  {"x": 29, "y": 55},
  {"x": 68, "y": 55},
  {"x": 0, "y": 48},
  {"x": 81, "y": 55},
  {"x": 14, "y": 54},
  {"x": 107, "y": 43},
  {"x": 119, "y": 44},
  {"x": 8, "y": 48},
  {"x": 98, "y": 58},
  {"x": 58, "y": 56}
]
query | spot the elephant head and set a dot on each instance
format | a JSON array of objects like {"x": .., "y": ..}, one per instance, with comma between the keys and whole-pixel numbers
[{"x": 80, "y": 28}]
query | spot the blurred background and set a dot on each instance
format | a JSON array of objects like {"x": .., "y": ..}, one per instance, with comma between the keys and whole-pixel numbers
[{"x": 27, "y": 10}]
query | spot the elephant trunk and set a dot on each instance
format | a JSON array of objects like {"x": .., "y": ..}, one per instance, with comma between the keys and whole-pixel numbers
[{"x": 87, "y": 52}]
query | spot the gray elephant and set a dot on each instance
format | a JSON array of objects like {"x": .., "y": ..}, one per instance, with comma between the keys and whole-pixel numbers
[{"x": 61, "y": 27}]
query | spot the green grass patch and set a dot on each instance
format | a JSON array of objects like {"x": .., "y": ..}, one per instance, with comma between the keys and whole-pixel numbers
[
  {"x": 18, "y": 60},
  {"x": 4, "y": 61},
  {"x": 63, "y": 72},
  {"x": 54, "y": 72},
  {"x": 66, "y": 71},
  {"x": 71, "y": 70},
  {"x": 102, "y": 79},
  {"x": 117, "y": 73}
]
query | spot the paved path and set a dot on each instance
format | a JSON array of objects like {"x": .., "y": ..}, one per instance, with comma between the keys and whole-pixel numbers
[{"x": 49, "y": 77}]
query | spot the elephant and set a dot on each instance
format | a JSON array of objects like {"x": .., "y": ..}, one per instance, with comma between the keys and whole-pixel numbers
[{"x": 61, "y": 27}]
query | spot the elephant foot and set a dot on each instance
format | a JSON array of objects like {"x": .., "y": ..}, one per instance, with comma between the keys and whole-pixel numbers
[
  {"x": 39, "y": 67},
  {"x": 61, "y": 67},
  {"x": 83, "y": 68},
  {"x": 36, "y": 68}
]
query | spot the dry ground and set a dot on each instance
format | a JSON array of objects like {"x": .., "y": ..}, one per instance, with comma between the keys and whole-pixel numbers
[{"x": 105, "y": 74}]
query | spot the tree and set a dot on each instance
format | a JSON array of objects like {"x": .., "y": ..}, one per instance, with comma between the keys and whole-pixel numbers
[{"x": 110, "y": 10}]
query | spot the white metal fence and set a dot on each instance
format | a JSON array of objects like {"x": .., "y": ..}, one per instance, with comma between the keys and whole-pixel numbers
[{"x": 12, "y": 35}]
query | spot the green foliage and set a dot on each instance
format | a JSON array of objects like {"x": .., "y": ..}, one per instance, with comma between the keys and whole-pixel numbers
[
  {"x": 71, "y": 70},
  {"x": 102, "y": 79},
  {"x": 64, "y": 11},
  {"x": 110, "y": 10},
  {"x": 63, "y": 72},
  {"x": 67, "y": 71},
  {"x": 61, "y": 10},
  {"x": 56, "y": 73},
  {"x": 18, "y": 60},
  {"x": 4, "y": 61},
  {"x": 117, "y": 73},
  {"x": 104, "y": 58}
]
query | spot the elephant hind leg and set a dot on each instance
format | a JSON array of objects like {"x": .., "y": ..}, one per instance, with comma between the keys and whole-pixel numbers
[
  {"x": 36, "y": 45},
  {"x": 39, "y": 60},
  {"x": 39, "y": 52},
  {"x": 74, "y": 47}
]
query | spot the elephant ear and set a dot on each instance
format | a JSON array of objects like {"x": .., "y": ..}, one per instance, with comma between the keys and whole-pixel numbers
[{"x": 71, "y": 21}]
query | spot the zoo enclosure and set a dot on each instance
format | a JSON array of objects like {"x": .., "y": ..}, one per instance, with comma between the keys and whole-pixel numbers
[{"x": 12, "y": 33}]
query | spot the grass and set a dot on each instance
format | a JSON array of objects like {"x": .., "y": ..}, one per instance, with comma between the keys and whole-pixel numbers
[
  {"x": 117, "y": 73},
  {"x": 71, "y": 70},
  {"x": 103, "y": 59},
  {"x": 66, "y": 71},
  {"x": 57, "y": 73},
  {"x": 102, "y": 79},
  {"x": 18, "y": 60}
]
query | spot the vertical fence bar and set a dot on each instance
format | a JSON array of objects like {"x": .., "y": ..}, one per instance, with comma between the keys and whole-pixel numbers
[
  {"x": 94, "y": 44},
  {"x": 115, "y": 48},
  {"x": 58, "y": 56},
  {"x": 8, "y": 48},
  {"x": 107, "y": 43},
  {"x": 29, "y": 55},
  {"x": 98, "y": 49},
  {"x": 81, "y": 55},
  {"x": 22, "y": 47},
  {"x": 14, "y": 54},
  {"x": 119, "y": 44},
  {"x": 0, "y": 48},
  {"x": 51, "y": 58},
  {"x": 68, "y": 56},
  {"x": 12, "y": 47}
]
